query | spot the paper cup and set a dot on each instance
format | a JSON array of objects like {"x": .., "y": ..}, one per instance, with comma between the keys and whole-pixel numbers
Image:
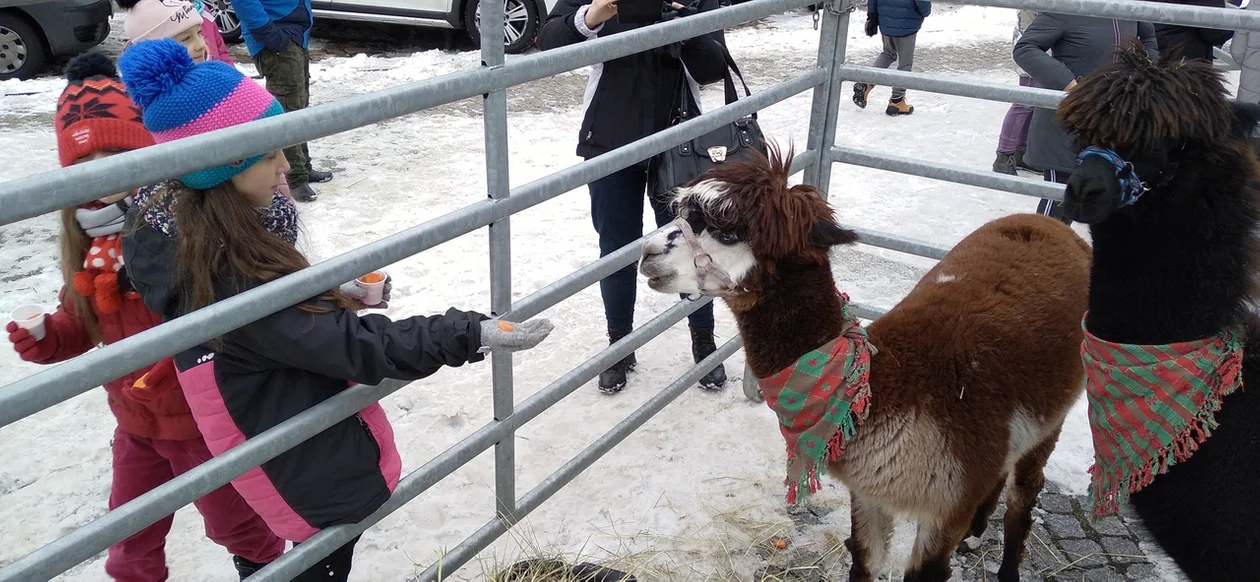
[
  {"x": 30, "y": 318},
  {"x": 374, "y": 284}
]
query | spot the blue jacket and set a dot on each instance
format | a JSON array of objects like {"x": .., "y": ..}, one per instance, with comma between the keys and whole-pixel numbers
[
  {"x": 898, "y": 18},
  {"x": 273, "y": 24}
]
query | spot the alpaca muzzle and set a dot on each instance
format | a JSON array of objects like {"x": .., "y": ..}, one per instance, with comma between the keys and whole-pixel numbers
[{"x": 705, "y": 267}]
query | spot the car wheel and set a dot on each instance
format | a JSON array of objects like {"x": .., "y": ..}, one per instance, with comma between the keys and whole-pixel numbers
[
  {"x": 225, "y": 18},
  {"x": 22, "y": 52},
  {"x": 520, "y": 23}
]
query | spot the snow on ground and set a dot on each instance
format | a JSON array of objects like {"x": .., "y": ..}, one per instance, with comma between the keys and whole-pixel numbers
[{"x": 687, "y": 496}]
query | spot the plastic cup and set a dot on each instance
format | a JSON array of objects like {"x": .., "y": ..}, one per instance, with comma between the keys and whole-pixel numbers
[
  {"x": 374, "y": 284},
  {"x": 30, "y": 318}
]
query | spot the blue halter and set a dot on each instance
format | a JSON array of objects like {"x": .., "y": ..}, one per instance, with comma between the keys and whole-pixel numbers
[{"x": 1131, "y": 187}]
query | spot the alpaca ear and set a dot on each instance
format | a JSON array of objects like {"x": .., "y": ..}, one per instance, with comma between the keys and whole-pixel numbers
[
  {"x": 827, "y": 234},
  {"x": 1246, "y": 117}
]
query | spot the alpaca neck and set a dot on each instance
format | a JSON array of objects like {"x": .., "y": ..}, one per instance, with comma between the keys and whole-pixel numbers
[
  {"x": 797, "y": 312},
  {"x": 1177, "y": 266}
]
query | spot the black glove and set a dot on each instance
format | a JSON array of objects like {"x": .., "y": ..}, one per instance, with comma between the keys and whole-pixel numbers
[
  {"x": 670, "y": 12},
  {"x": 872, "y": 26}
]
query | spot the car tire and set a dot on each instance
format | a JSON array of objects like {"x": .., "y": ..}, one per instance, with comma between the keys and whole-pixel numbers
[
  {"x": 22, "y": 50},
  {"x": 225, "y": 20},
  {"x": 522, "y": 18}
]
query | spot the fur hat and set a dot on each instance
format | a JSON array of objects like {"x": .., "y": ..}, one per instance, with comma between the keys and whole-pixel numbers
[
  {"x": 94, "y": 112},
  {"x": 182, "y": 99},
  {"x": 148, "y": 19}
]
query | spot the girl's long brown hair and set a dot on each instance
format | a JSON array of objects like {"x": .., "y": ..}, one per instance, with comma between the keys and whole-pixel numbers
[
  {"x": 74, "y": 248},
  {"x": 221, "y": 239}
]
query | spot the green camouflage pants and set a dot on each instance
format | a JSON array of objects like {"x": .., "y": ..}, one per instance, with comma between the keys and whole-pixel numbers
[{"x": 288, "y": 76}]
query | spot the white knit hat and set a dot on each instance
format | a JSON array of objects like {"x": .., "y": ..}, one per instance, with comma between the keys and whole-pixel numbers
[{"x": 151, "y": 19}]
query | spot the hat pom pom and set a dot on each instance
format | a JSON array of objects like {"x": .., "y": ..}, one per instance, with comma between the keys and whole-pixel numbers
[
  {"x": 152, "y": 67},
  {"x": 93, "y": 64},
  {"x": 107, "y": 297},
  {"x": 84, "y": 283}
]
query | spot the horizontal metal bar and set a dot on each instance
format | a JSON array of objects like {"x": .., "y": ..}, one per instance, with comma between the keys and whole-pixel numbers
[
  {"x": 865, "y": 311},
  {"x": 42, "y": 390},
  {"x": 900, "y": 244},
  {"x": 102, "y": 532},
  {"x": 417, "y": 482},
  {"x": 960, "y": 86},
  {"x": 588, "y": 275},
  {"x": 474, "y": 544},
  {"x": 1153, "y": 12},
  {"x": 947, "y": 172},
  {"x": 49, "y": 191}
]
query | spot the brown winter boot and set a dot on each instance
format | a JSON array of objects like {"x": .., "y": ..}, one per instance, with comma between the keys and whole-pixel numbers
[
  {"x": 860, "y": 92},
  {"x": 899, "y": 107}
]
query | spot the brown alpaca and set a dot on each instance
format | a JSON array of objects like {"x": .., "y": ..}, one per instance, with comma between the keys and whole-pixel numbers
[{"x": 975, "y": 370}]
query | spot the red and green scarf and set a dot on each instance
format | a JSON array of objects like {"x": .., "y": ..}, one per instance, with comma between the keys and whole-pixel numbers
[
  {"x": 1151, "y": 406},
  {"x": 820, "y": 400}
]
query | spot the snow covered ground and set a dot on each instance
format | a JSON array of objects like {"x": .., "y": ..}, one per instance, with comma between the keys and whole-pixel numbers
[{"x": 686, "y": 497}]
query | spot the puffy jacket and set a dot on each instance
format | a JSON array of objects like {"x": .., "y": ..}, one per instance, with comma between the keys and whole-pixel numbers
[
  {"x": 216, "y": 49},
  {"x": 167, "y": 416},
  {"x": 1178, "y": 41},
  {"x": 273, "y": 24},
  {"x": 266, "y": 372},
  {"x": 635, "y": 96},
  {"x": 898, "y": 18}
]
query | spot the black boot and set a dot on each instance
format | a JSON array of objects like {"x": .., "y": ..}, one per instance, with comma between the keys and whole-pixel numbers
[
  {"x": 612, "y": 380},
  {"x": 245, "y": 567},
  {"x": 702, "y": 345},
  {"x": 1005, "y": 164}
]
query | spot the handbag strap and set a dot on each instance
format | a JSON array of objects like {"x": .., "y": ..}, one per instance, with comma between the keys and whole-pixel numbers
[{"x": 732, "y": 95}]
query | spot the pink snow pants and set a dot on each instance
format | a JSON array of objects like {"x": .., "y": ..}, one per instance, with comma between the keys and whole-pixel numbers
[{"x": 142, "y": 464}]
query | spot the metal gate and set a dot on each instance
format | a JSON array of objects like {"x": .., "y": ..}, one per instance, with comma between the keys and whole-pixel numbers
[{"x": 47, "y": 192}]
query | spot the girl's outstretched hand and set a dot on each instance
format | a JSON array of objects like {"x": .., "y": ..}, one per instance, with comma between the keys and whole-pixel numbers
[
  {"x": 357, "y": 293},
  {"x": 502, "y": 336}
]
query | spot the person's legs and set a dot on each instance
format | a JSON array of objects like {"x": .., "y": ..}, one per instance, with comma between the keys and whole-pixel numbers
[
  {"x": 1050, "y": 207},
  {"x": 617, "y": 213},
  {"x": 904, "y": 47},
  {"x": 288, "y": 81},
  {"x": 230, "y": 521},
  {"x": 886, "y": 57},
  {"x": 1014, "y": 135},
  {"x": 138, "y": 469},
  {"x": 703, "y": 317},
  {"x": 334, "y": 568}
]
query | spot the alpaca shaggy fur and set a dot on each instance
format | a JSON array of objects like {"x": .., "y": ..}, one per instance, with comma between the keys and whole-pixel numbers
[
  {"x": 1179, "y": 265},
  {"x": 976, "y": 368}
]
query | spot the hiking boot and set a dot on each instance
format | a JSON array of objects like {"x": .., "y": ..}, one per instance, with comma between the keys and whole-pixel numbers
[
  {"x": 860, "y": 92},
  {"x": 613, "y": 380},
  {"x": 303, "y": 193},
  {"x": 702, "y": 345},
  {"x": 246, "y": 568},
  {"x": 1005, "y": 164},
  {"x": 318, "y": 177},
  {"x": 1020, "y": 164},
  {"x": 899, "y": 107}
]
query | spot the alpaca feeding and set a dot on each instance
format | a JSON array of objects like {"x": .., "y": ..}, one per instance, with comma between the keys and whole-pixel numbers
[
  {"x": 1170, "y": 191},
  {"x": 970, "y": 376}
]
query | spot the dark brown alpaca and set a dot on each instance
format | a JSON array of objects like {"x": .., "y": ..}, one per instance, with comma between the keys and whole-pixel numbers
[
  {"x": 1175, "y": 261},
  {"x": 976, "y": 368}
]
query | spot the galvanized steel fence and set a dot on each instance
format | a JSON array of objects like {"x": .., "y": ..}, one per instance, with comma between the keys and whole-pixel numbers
[{"x": 50, "y": 191}]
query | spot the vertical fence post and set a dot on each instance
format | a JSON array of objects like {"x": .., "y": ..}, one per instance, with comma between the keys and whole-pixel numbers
[
  {"x": 825, "y": 111},
  {"x": 494, "y": 114}
]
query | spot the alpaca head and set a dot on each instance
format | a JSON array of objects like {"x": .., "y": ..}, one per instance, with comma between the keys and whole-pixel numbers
[
  {"x": 738, "y": 225},
  {"x": 1137, "y": 121}
]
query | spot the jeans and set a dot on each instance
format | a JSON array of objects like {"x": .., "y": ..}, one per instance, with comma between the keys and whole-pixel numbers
[
  {"x": 288, "y": 76},
  {"x": 617, "y": 212}
]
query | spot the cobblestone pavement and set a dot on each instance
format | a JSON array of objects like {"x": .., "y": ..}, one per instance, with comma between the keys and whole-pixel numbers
[{"x": 1064, "y": 545}]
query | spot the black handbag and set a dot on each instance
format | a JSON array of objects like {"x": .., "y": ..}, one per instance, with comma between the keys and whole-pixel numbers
[{"x": 685, "y": 162}]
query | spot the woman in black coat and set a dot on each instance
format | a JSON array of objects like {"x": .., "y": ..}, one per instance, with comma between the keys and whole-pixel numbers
[
  {"x": 627, "y": 99},
  {"x": 1189, "y": 42}
]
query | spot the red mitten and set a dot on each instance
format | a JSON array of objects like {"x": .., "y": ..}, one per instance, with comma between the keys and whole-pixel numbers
[
  {"x": 153, "y": 383},
  {"x": 27, "y": 347}
]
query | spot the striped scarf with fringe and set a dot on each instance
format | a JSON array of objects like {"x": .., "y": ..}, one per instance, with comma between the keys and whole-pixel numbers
[
  {"x": 820, "y": 400},
  {"x": 1151, "y": 406}
]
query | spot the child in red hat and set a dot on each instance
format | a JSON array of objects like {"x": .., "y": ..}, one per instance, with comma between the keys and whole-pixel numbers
[{"x": 157, "y": 437}]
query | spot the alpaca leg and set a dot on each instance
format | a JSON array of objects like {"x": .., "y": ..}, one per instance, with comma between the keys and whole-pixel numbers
[
  {"x": 872, "y": 528},
  {"x": 1021, "y": 497},
  {"x": 980, "y": 522},
  {"x": 935, "y": 543}
]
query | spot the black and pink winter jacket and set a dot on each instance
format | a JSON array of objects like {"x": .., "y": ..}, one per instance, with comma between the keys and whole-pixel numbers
[{"x": 268, "y": 371}]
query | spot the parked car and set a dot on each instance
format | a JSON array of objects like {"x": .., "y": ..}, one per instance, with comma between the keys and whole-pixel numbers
[
  {"x": 523, "y": 17},
  {"x": 32, "y": 31}
]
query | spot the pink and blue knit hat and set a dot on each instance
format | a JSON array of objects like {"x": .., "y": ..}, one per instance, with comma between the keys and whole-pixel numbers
[{"x": 180, "y": 98}]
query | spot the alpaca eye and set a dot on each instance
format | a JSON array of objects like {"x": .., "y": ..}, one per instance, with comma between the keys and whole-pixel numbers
[{"x": 727, "y": 238}]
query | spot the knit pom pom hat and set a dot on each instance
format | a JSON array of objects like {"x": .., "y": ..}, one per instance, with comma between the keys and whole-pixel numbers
[
  {"x": 182, "y": 99},
  {"x": 148, "y": 19},
  {"x": 94, "y": 112}
]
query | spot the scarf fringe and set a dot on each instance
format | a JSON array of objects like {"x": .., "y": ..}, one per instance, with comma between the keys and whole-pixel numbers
[{"x": 1109, "y": 492}]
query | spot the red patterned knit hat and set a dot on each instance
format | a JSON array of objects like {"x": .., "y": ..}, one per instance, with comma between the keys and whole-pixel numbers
[{"x": 94, "y": 112}]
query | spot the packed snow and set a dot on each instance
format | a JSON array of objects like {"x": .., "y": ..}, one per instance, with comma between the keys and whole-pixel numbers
[{"x": 686, "y": 497}]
